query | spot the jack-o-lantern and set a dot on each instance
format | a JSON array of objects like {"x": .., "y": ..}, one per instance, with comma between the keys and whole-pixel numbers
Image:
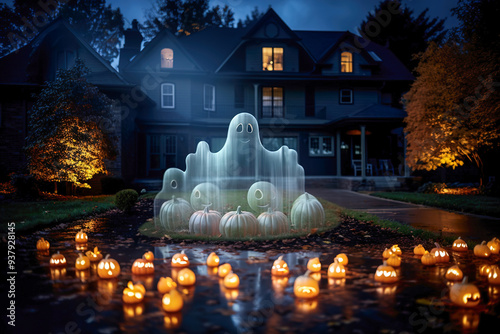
[
  {"x": 465, "y": 294},
  {"x": 172, "y": 301},
  {"x": 205, "y": 222},
  {"x": 343, "y": 259},
  {"x": 165, "y": 284},
  {"x": 428, "y": 259},
  {"x": 440, "y": 254},
  {"x": 238, "y": 224},
  {"x": 459, "y": 245},
  {"x": 386, "y": 274},
  {"x": 262, "y": 196},
  {"x": 307, "y": 305},
  {"x": 143, "y": 267},
  {"x": 396, "y": 250},
  {"x": 180, "y": 260},
  {"x": 307, "y": 213},
  {"x": 231, "y": 281},
  {"x": 94, "y": 256},
  {"x": 454, "y": 273},
  {"x": 82, "y": 262},
  {"x": 224, "y": 269},
  {"x": 280, "y": 267},
  {"x": 149, "y": 256},
  {"x": 314, "y": 265},
  {"x": 213, "y": 260},
  {"x": 394, "y": 260},
  {"x": 279, "y": 283},
  {"x": 386, "y": 253},
  {"x": 133, "y": 293},
  {"x": 131, "y": 310},
  {"x": 484, "y": 269},
  {"x": 42, "y": 244},
  {"x": 172, "y": 320},
  {"x": 175, "y": 214},
  {"x": 494, "y": 245},
  {"x": 494, "y": 275},
  {"x": 482, "y": 250},
  {"x": 273, "y": 223},
  {"x": 336, "y": 270},
  {"x": 57, "y": 273},
  {"x": 205, "y": 195},
  {"x": 81, "y": 237},
  {"x": 305, "y": 286},
  {"x": 419, "y": 250},
  {"x": 186, "y": 277},
  {"x": 57, "y": 260},
  {"x": 108, "y": 268}
]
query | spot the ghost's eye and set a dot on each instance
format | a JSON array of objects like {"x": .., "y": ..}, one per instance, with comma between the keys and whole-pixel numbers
[
  {"x": 173, "y": 184},
  {"x": 258, "y": 194},
  {"x": 239, "y": 128},
  {"x": 197, "y": 194},
  {"x": 249, "y": 128}
]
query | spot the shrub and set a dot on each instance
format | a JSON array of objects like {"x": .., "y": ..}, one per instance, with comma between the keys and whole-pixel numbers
[
  {"x": 112, "y": 185},
  {"x": 126, "y": 199},
  {"x": 432, "y": 188}
]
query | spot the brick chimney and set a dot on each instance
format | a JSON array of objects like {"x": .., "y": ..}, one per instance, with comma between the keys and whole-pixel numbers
[{"x": 133, "y": 40}]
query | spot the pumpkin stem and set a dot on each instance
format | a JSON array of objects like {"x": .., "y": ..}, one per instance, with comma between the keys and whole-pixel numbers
[
  {"x": 207, "y": 208},
  {"x": 280, "y": 258},
  {"x": 107, "y": 256},
  {"x": 483, "y": 243},
  {"x": 437, "y": 245},
  {"x": 465, "y": 280},
  {"x": 308, "y": 272},
  {"x": 238, "y": 210},
  {"x": 269, "y": 210}
]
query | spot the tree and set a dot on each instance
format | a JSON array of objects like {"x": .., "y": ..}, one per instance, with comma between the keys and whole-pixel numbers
[
  {"x": 394, "y": 25},
  {"x": 97, "y": 23},
  {"x": 183, "y": 17},
  {"x": 68, "y": 137},
  {"x": 254, "y": 16}
]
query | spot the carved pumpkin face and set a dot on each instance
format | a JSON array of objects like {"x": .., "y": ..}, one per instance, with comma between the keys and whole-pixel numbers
[
  {"x": 262, "y": 196},
  {"x": 81, "y": 237},
  {"x": 108, "y": 268},
  {"x": 494, "y": 245},
  {"x": 343, "y": 259},
  {"x": 482, "y": 250},
  {"x": 172, "y": 301},
  {"x": 165, "y": 284},
  {"x": 224, "y": 269},
  {"x": 57, "y": 260},
  {"x": 494, "y": 275},
  {"x": 428, "y": 259},
  {"x": 386, "y": 274},
  {"x": 186, "y": 277},
  {"x": 396, "y": 250},
  {"x": 484, "y": 269},
  {"x": 213, "y": 260},
  {"x": 133, "y": 293},
  {"x": 42, "y": 244},
  {"x": 231, "y": 281},
  {"x": 459, "y": 245},
  {"x": 440, "y": 254},
  {"x": 454, "y": 273},
  {"x": 419, "y": 250},
  {"x": 94, "y": 256},
  {"x": 143, "y": 267},
  {"x": 280, "y": 267},
  {"x": 205, "y": 195},
  {"x": 336, "y": 270},
  {"x": 82, "y": 262},
  {"x": 305, "y": 286},
  {"x": 180, "y": 260},
  {"x": 149, "y": 256},
  {"x": 314, "y": 265},
  {"x": 465, "y": 294}
]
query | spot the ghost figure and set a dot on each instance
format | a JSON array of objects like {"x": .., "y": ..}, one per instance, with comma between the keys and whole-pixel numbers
[{"x": 173, "y": 185}]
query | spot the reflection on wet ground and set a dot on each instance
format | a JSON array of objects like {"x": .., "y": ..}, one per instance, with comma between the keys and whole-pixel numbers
[{"x": 69, "y": 301}]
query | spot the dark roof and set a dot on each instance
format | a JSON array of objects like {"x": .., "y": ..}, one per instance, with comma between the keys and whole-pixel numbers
[
  {"x": 13, "y": 67},
  {"x": 378, "y": 111},
  {"x": 318, "y": 42}
]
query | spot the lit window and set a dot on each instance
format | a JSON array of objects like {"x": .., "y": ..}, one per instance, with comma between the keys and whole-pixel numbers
[
  {"x": 346, "y": 62},
  {"x": 321, "y": 146},
  {"x": 346, "y": 96},
  {"x": 168, "y": 96},
  {"x": 209, "y": 97},
  {"x": 167, "y": 58},
  {"x": 275, "y": 143},
  {"x": 272, "y": 59},
  {"x": 272, "y": 102}
]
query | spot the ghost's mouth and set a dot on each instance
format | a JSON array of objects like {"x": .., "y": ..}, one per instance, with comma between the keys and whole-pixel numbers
[{"x": 245, "y": 140}]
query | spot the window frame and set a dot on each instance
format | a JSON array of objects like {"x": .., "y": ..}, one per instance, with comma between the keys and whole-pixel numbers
[
  {"x": 205, "y": 105},
  {"x": 162, "y": 95},
  {"x": 167, "y": 61},
  {"x": 321, "y": 140},
  {"x": 65, "y": 53},
  {"x": 351, "y": 95},
  {"x": 273, "y": 58},
  {"x": 273, "y": 114},
  {"x": 349, "y": 62}
]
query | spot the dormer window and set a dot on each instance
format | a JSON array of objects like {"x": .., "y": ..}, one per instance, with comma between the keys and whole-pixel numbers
[
  {"x": 167, "y": 58},
  {"x": 272, "y": 59},
  {"x": 346, "y": 62}
]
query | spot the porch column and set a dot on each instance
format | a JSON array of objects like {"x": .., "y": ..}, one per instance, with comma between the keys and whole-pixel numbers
[
  {"x": 256, "y": 100},
  {"x": 407, "y": 168},
  {"x": 363, "y": 153},
  {"x": 337, "y": 147}
]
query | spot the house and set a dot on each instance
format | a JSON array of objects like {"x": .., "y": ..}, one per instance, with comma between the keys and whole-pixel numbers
[{"x": 317, "y": 92}]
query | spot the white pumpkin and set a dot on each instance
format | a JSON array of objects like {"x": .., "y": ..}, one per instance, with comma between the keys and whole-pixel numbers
[
  {"x": 238, "y": 224},
  {"x": 175, "y": 214},
  {"x": 273, "y": 223},
  {"x": 205, "y": 222},
  {"x": 307, "y": 212}
]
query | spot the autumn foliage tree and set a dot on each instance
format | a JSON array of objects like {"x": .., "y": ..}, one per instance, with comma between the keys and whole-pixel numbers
[{"x": 69, "y": 130}]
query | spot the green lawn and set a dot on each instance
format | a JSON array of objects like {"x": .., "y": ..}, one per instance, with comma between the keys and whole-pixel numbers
[
  {"x": 483, "y": 205},
  {"x": 28, "y": 215}
]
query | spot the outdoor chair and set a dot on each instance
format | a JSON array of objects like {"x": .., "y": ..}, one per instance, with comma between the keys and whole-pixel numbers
[
  {"x": 356, "y": 165},
  {"x": 386, "y": 167}
]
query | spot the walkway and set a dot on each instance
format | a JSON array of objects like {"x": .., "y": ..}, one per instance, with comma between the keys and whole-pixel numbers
[{"x": 468, "y": 226}]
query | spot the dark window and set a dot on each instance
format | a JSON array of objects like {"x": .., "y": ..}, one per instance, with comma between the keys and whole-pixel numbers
[{"x": 346, "y": 96}]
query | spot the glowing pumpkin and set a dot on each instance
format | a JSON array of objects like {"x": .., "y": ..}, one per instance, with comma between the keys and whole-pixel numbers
[
  {"x": 440, "y": 254},
  {"x": 494, "y": 245},
  {"x": 175, "y": 214},
  {"x": 172, "y": 320},
  {"x": 494, "y": 275},
  {"x": 149, "y": 256},
  {"x": 81, "y": 237},
  {"x": 205, "y": 222},
  {"x": 419, "y": 250},
  {"x": 273, "y": 223},
  {"x": 165, "y": 284},
  {"x": 143, "y": 267},
  {"x": 280, "y": 267},
  {"x": 82, "y": 262},
  {"x": 305, "y": 286},
  {"x": 314, "y": 265},
  {"x": 386, "y": 274},
  {"x": 224, "y": 269},
  {"x": 465, "y": 294},
  {"x": 57, "y": 260},
  {"x": 336, "y": 270},
  {"x": 484, "y": 269},
  {"x": 172, "y": 301},
  {"x": 213, "y": 260},
  {"x": 386, "y": 253},
  {"x": 238, "y": 224},
  {"x": 108, "y": 268},
  {"x": 459, "y": 245},
  {"x": 342, "y": 258},
  {"x": 428, "y": 259},
  {"x": 180, "y": 260},
  {"x": 396, "y": 250},
  {"x": 205, "y": 195},
  {"x": 186, "y": 277},
  {"x": 133, "y": 293},
  {"x": 394, "y": 260},
  {"x": 94, "y": 256},
  {"x": 131, "y": 310},
  {"x": 262, "y": 196},
  {"x": 42, "y": 244},
  {"x": 482, "y": 250},
  {"x": 231, "y": 281},
  {"x": 454, "y": 274},
  {"x": 307, "y": 213}
]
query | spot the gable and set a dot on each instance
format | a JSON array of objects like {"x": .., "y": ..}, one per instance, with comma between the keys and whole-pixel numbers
[{"x": 270, "y": 26}]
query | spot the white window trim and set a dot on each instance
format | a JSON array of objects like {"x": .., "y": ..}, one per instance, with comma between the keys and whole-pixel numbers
[
  {"x": 321, "y": 154},
  {"x": 205, "y": 107},
  {"x": 164, "y": 94},
  {"x": 352, "y": 96}
]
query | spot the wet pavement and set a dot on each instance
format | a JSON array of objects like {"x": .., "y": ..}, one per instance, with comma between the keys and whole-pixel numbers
[
  {"x": 70, "y": 301},
  {"x": 468, "y": 226}
]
